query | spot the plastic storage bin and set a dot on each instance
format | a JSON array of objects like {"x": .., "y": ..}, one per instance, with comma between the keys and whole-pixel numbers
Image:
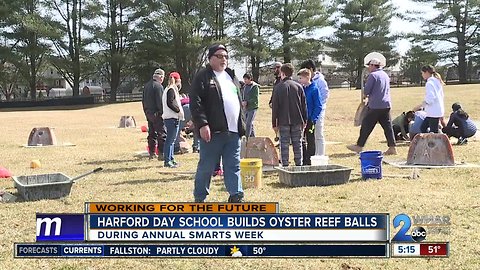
[
  {"x": 43, "y": 186},
  {"x": 297, "y": 176}
]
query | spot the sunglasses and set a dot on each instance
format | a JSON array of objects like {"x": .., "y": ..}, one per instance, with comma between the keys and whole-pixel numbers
[{"x": 221, "y": 56}]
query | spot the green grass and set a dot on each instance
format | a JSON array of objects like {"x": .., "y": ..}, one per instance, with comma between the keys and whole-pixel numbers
[{"x": 126, "y": 178}]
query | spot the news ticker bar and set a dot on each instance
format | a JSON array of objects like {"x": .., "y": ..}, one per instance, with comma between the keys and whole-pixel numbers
[
  {"x": 440, "y": 249},
  {"x": 213, "y": 227},
  {"x": 180, "y": 208},
  {"x": 34, "y": 250}
]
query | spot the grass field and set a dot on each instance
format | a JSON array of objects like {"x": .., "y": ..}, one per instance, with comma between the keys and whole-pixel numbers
[{"x": 126, "y": 178}]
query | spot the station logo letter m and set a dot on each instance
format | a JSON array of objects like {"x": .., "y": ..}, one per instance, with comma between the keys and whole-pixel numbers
[{"x": 48, "y": 225}]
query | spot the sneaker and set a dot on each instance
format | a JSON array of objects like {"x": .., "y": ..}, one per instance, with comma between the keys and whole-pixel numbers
[
  {"x": 462, "y": 141},
  {"x": 355, "y": 148},
  {"x": 390, "y": 151},
  {"x": 237, "y": 198},
  {"x": 195, "y": 150},
  {"x": 175, "y": 162},
  {"x": 170, "y": 164},
  {"x": 152, "y": 156}
]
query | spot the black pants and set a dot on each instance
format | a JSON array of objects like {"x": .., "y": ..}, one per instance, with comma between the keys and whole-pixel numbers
[
  {"x": 373, "y": 117},
  {"x": 156, "y": 133},
  {"x": 453, "y": 132},
  {"x": 430, "y": 122},
  {"x": 397, "y": 131},
  {"x": 308, "y": 143}
]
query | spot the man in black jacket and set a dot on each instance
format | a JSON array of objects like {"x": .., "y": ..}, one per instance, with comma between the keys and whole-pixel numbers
[
  {"x": 152, "y": 106},
  {"x": 215, "y": 105},
  {"x": 289, "y": 115},
  {"x": 278, "y": 79}
]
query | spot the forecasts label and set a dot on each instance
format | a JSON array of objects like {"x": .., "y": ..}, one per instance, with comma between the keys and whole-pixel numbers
[{"x": 34, "y": 250}]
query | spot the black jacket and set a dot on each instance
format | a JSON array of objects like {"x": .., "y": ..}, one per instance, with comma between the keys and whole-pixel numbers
[
  {"x": 152, "y": 97},
  {"x": 289, "y": 106},
  {"x": 206, "y": 102}
]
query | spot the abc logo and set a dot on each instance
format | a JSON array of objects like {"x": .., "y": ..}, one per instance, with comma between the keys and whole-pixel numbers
[{"x": 418, "y": 234}]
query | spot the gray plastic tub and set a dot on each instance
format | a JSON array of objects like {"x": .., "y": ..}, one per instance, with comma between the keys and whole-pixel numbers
[
  {"x": 43, "y": 186},
  {"x": 323, "y": 175}
]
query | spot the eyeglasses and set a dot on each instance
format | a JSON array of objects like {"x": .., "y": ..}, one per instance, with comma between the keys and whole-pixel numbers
[{"x": 221, "y": 56}]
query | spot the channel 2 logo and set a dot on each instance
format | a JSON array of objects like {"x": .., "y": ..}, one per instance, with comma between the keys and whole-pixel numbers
[{"x": 418, "y": 234}]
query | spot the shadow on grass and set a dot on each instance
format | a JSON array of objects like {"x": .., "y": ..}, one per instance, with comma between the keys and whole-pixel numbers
[
  {"x": 112, "y": 161},
  {"x": 147, "y": 181},
  {"x": 279, "y": 185},
  {"x": 343, "y": 155},
  {"x": 399, "y": 143},
  {"x": 357, "y": 179},
  {"x": 128, "y": 169},
  {"x": 55, "y": 108},
  {"x": 16, "y": 197}
]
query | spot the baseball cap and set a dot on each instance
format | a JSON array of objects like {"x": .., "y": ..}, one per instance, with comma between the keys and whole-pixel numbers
[
  {"x": 375, "y": 61},
  {"x": 175, "y": 75},
  {"x": 159, "y": 71},
  {"x": 277, "y": 64},
  {"x": 214, "y": 48}
]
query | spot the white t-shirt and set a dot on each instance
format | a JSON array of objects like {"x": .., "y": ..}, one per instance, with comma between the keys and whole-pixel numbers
[{"x": 231, "y": 103}]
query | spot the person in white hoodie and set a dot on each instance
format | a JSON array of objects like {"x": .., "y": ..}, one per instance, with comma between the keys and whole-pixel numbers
[
  {"x": 172, "y": 115},
  {"x": 319, "y": 80},
  {"x": 433, "y": 103}
]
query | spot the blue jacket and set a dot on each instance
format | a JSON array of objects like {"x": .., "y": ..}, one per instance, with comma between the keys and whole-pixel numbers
[{"x": 314, "y": 106}]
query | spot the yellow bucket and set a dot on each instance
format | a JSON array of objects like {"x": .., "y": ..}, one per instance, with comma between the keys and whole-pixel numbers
[{"x": 251, "y": 172}]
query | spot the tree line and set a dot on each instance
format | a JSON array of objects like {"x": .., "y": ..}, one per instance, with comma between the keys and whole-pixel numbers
[{"x": 124, "y": 40}]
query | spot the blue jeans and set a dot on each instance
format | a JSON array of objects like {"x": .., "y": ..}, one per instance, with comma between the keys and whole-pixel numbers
[
  {"x": 227, "y": 146},
  {"x": 250, "y": 116},
  {"x": 172, "y": 128}
]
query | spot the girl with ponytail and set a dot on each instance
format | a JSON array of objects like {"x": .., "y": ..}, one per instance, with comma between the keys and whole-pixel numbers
[{"x": 433, "y": 102}]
